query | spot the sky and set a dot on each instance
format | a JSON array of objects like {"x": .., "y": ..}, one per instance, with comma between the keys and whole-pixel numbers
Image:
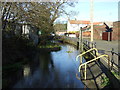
[{"x": 104, "y": 10}]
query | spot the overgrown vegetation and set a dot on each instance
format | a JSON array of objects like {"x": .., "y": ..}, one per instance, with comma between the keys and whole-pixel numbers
[
  {"x": 116, "y": 75},
  {"x": 49, "y": 44},
  {"x": 69, "y": 51},
  {"x": 105, "y": 81},
  {"x": 16, "y": 49}
]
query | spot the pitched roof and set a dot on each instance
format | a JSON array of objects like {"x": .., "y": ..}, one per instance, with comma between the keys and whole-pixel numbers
[
  {"x": 97, "y": 23},
  {"x": 83, "y": 22},
  {"x": 79, "y": 22}
]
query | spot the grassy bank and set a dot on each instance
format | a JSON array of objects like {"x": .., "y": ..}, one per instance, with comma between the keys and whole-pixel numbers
[{"x": 49, "y": 46}]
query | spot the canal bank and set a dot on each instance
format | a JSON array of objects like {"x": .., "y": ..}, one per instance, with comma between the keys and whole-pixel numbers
[{"x": 101, "y": 66}]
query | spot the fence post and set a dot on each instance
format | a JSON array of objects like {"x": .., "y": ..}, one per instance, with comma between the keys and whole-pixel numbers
[
  {"x": 88, "y": 44},
  {"x": 95, "y": 44},
  {"x": 112, "y": 59},
  {"x": 109, "y": 62},
  {"x": 95, "y": 50}
]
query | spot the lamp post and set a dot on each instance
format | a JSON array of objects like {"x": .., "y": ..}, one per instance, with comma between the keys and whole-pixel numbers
[
  {"x": 91, "y": 18},
  {"x": 80, "y": 40}
]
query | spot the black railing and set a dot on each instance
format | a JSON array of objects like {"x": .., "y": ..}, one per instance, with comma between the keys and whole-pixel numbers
[
  {"x": 89, "y": 45},
  {"x": 113, "y": 53}
]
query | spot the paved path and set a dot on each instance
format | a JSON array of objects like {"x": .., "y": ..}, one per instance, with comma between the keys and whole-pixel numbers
[{"x": 106, "y": 45}]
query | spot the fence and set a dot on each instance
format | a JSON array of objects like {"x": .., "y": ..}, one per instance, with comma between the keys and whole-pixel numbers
[
  {"x": 114, "y": 56},
  {"x": 89, "y": 45},
  {"x": 117, "y": 55}
]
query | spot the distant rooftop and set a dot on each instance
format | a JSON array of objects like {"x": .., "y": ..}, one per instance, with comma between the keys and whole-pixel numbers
[{"x": 83, "y": 22}]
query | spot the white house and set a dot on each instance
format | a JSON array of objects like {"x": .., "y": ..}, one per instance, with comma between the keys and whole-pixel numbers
[
  {"x": 30, "y": 32},
  {"x": 75, "y": 25}
]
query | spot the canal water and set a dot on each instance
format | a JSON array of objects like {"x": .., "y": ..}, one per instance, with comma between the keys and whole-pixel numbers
[{"x": 50, "y": 70}]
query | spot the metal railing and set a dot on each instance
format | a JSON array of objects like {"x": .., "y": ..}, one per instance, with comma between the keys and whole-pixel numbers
[
  {"x": 89, "y": 44},
  {"x": 96, "y": 58},
  {"x": 87, "y": 52},
  {"x": 117, "y": 55}
]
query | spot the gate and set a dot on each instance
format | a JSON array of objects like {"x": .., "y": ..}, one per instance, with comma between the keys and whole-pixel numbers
[{"x": 107, "y": 36}]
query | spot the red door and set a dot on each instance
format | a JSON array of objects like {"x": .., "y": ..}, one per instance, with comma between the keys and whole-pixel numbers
[{"x": 107, "y": 36}]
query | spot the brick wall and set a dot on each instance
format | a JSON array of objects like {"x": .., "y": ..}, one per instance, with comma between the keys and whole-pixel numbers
[
  {"x": 98, "y": 31},
  {"x": 116, "y": 30},
  {"x": 115, "y": 33}
]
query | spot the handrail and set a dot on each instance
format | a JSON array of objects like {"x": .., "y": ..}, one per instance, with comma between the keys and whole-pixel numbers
[
  {"x": 87, "y": 52},
  {"x": 92, "y": 61}
]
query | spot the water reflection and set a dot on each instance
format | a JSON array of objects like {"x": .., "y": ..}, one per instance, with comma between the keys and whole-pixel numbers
[
  {"x": 26, "y": 71},
  {"x": 51, "y": 69},
  {"x": 71, "y": 48},
  {"x": 46, "y": 61}
]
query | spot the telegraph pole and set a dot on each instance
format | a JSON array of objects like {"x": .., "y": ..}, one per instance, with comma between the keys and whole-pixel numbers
[{"x": 91, "y": 18}]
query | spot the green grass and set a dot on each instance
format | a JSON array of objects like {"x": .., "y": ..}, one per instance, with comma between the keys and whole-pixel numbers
[
  {"x": 105, "y": 81},
  {"x": 69, "y": 51},
  {"x": 48, "y": 46},
  {"x": 116, "y": 75}
]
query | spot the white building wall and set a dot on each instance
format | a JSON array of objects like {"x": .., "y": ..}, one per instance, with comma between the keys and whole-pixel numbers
[
  {"x": 25, "y": 29},
  {"x": 74, "y": 27}
]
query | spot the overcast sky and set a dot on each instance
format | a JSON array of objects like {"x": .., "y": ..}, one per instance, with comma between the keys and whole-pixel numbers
[{"x": 104, "y": 10}]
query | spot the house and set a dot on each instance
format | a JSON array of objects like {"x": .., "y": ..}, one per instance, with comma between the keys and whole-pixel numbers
[
  {"x": 99, "y": 31},
  {"x": 29, "y": 31},
  {"x": 21, "y": 29},
  {"x": 74, "y": 26}
]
